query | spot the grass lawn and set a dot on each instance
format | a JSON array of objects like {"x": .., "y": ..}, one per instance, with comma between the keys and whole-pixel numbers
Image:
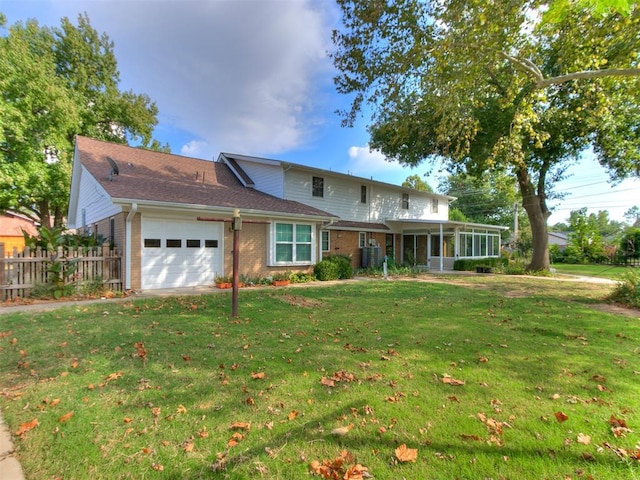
[
  {"x": 462, "y": 378},
  {"x": 612, "y": 272}
]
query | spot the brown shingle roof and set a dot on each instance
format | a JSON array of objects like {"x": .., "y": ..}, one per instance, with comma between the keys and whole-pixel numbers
[{"x": 145, "y": 175}]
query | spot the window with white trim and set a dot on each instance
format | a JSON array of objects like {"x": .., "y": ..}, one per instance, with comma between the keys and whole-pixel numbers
[
  {"x": 405, "y": 201},
  {"x": 293, "y": 244},
  {"x": 434, "y": 205},
  {"x": 363, "y": 194},
  {"x": 324, "y": 240},
  {"x": 362, "y": 239}
]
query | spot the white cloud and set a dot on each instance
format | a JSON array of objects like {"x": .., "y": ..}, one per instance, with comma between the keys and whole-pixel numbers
[
  {"x": 195, "y": 149},
  {"x": 241, "y": 75},
  {"x": 364, "y": 162}
]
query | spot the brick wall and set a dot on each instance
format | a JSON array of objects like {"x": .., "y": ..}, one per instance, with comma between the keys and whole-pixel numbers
[
  {"x": 253, "y": 252},
  {"x": 345, "y": 242}
]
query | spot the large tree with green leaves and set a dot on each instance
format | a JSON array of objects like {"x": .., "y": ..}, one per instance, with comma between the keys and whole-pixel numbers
[
  {"x": 489, "y": 86},
  {"x": 489, "y": 199},
  {"x": 56, "y": 83}
]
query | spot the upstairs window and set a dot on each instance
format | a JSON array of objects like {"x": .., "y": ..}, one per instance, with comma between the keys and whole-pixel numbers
[
  {"x": 405, "y": 201},
  {"x": 363, "y": 194},
  {"x": 317, "y": 187},
  {"x": 434, "y": 205}
]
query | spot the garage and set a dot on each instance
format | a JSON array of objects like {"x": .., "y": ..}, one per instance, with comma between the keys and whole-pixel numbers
[{"x": 180, "y": 253}]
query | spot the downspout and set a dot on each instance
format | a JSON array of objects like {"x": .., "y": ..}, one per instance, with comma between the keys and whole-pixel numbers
[{"x": 127, "y": 246}]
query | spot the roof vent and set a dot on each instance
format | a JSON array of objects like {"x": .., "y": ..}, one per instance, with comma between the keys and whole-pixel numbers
[{"x": 114, "y": 168}]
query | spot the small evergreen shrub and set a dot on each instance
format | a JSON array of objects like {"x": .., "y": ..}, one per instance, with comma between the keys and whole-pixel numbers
[
  {"x": 470, "y": 264},
  {"x": 326, "y": 270},
  {"x": 334, "y": 267}
]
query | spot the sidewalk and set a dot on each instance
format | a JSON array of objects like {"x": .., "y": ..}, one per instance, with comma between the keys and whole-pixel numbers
[{"x": 10, "y": 468}]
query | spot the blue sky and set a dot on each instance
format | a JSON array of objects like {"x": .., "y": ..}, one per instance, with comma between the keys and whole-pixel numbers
[{"x": 253, "y": 77}]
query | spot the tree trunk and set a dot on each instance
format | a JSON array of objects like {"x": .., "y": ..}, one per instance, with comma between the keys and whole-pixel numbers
[
  {"x": 534, "y": 204},
  {"x": 45, "y": 214},
  {"x": 540, "y": 237}
]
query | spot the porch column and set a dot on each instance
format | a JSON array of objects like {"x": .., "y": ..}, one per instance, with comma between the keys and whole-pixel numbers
[
  {"x": 441, "y": 248},
  {"x": 456, "y": 243},
  {"x": 429, "y": 249}
]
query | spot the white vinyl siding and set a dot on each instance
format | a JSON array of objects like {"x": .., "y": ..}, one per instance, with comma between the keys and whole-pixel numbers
[
  {"x": 342, "y": 197},
  {"x": 94, "y": 201},
  {"x": 266, "y": 178}
]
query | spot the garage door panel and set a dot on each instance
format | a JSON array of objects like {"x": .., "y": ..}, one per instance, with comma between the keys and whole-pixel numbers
[{"x": 166, "y": 267}]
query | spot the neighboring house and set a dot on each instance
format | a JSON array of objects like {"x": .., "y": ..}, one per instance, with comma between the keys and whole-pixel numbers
[
  {"x": 12, "y": 226},
  {"x": 558, "y": 238},
  {"x": 152, "y": 206}
]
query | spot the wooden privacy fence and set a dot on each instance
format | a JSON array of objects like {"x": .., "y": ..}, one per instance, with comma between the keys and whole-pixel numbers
[{"x": 20, "y": 272}]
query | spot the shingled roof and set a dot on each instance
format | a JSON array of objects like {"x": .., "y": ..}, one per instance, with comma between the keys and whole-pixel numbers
[{"x": 146, "y": 175}]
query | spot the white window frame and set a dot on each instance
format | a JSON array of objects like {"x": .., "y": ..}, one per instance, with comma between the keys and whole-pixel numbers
[
  {"x": 272, "y": 261},
  {"x": 362, "y": 239},
  {"x": 324, "y": 233},
  {"x": 404, "y": 201},
  {"x": 434, "y": 205}
]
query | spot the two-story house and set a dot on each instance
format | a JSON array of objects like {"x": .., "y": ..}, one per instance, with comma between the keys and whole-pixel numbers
[{"x": 170, "y": 216}]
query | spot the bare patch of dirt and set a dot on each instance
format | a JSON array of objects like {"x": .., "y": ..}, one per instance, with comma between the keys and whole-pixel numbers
[
  {"x": 616, "y": 309},
  {"x": 300, "y": 301}
]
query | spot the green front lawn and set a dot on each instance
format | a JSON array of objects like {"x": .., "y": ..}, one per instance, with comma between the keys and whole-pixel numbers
[
  {"x": 612, "y": 272},
  {"x": 492, "y": 377}
]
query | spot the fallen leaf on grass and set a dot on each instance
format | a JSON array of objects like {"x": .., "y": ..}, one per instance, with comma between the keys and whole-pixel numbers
[
  {"x": 404, "y": 454},
  {"x": 140, "y": 350},
  {"x": 561, "y": 417},
  {"x": 292, "y": 414},
  {"x": 112, "y": 376},
  {"x": 341, "y": 431},
  {"x": 257, "y": 375},
  {"x": 25, "y": 427},
  {"x": 327, "y": 382},
  {"x": 181, "y": 409},
  {"x": 619, "y": 426},
  {"x": 235, "y": 439},
  {"x": 338, "y": 468},
  {"x": 449, "y": 380},
  {"x": 584, "y": 439},
  {"x": 240, "y": 426},
  {"x": 65, "y": 417}
]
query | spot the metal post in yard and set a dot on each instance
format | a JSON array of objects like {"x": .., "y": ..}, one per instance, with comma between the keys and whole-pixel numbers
[{"x": 237, "y": 226}]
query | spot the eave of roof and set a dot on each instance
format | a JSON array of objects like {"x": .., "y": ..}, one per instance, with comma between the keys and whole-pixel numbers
[
  {"x": 453, "y": 223},
  {"x": 359, "y": 226}
]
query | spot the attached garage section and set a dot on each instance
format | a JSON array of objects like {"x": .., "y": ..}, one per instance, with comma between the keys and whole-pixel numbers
[{"x": 180, "y": 253}]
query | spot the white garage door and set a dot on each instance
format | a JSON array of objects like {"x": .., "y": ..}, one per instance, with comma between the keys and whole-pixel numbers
[{"x": 180, "y": 253}]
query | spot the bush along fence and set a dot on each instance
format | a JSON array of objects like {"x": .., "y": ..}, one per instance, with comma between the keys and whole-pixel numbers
[{"x": 58, "y": 272}]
